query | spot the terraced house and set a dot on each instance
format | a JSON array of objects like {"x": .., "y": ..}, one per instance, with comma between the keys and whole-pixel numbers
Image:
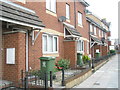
[
  {"x": 99, "y": 31},
  {"x": 31, "y": 30}
]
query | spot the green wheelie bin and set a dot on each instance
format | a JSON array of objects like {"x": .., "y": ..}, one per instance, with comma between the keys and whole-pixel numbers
[
  {"x": 79, "y": 59},
  {"x": 47, "y": 65},
  {"x": 97, "y": 55}
]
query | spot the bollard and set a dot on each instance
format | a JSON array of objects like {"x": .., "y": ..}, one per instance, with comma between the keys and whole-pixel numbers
[
  {"x": 22, "y": 78},
  {"x": 46, "y": 81},
  {"x": 26, "y": 81},
  {"x": 92, "y": 63},
  {"x": 51, "y": 78},
  {"x": 63, "y": 77}
]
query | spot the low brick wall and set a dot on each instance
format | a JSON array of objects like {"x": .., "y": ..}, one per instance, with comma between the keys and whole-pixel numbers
[{"x": 79, "y": 78}]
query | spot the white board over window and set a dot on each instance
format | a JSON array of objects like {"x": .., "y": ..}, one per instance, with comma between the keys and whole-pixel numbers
[
  {"x": 97, "y": 51},
  {"x": 10, "y": 56}
]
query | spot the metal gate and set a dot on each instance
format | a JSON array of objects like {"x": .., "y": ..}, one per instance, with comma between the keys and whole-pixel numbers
[{"x": 36, "y": 79}]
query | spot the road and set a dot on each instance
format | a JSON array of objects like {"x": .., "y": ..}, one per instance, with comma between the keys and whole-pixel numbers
[{"x": 105, "y": 77}]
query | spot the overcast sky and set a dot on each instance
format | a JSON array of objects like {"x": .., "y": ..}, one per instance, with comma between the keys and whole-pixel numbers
[{"x": 106, "y": 9}]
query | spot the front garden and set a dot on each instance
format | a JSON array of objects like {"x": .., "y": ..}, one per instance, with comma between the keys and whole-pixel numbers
[{"x": 62, "y": 74}]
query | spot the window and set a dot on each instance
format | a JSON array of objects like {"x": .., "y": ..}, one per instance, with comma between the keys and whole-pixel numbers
[
  {"x": 67, "y": 11},
  {"x": 10, "y": 56},
  {"x": 102, "y": 34},
  {"x": 99, "y": 33},
  {"x": 80, "y": 45},
  {"x": 79, "y": 18},
  {"x": 88, "y": 47},
  {"x": 105, "y": 36},
  {"x": 45, "y": 43},
  {"x": 51, "y": 5},
  {"x": 91, "y": 30},
  {"x": 50, "y": 43},
  {"x": 95, "y": 30},
  {"x": 55, "y": 49}
]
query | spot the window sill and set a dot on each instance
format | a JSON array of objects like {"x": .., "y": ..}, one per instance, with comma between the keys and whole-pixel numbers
[
  {"x": 80, "y": 25},
  {"x": 50, "y": 54},
  {"x": 22, "y": 1},
  {"x": 80, "y": 52},
  {"x": 68, "y": 20},
  {"x": 51, "y": 13}
]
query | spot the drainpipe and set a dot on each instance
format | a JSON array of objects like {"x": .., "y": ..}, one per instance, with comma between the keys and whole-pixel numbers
[
  {"x": 74, "y": 13},
  {"x": 26, "y": 50}
]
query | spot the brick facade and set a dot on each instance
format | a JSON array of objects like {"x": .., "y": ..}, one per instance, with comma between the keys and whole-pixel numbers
[
  {"x": 17, "y": 41},
  {"x": 70, "y": 51},
  {"x": 104, "y": 50},
  {"x": 0, "y": 52},
  {"x": 66, "y": 49}
]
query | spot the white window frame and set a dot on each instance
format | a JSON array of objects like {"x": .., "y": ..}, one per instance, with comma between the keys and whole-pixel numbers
[
  {"x": 105, "y": 35},
  {"x": 57, "y": 44},
  {"x": 91, "y": 28},
  {"x": 22, "y": 1},
  {"x": 43, "y": 42},
  {"x": 51, "y": 5},
  {"x": 87, "y": 47},
  {"x": 67, "y": 11},
  {"x": 99, "y": 33},
  {"x": 81, "y": 46},
  {"x": 102, "y": 34},
  {"x": 80, "y": 19},
  {"x": 53, "y": 50},
  {"x": 95, "y": 31}
]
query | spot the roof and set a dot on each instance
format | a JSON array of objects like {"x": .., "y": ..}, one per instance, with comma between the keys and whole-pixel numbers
[
  {"x": 73, "y": 31},
  {"x": 106, "y": 23},
  {"x": 96, "y": 24},
  {"x": 96, "y": 39},
  {"x": 84, "y": 3},
  {"x": 16, "y": 14}
]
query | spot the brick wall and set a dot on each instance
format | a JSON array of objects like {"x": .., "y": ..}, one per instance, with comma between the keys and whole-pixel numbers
[
  {"x": 104, "y": 50},
  {"x": 109, "y": 33},
  {"x": 0, "y": 52},
  {"x": 17, "y": 41},
  {"x": 66, "y": 49},
  {"x": 52, "y": 22},
  {"x": 70, "y": 52},
  {"x": 35, "y": 52}
]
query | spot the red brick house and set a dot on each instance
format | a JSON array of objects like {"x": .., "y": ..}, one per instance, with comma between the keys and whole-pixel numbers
[
  {"x": 56, "y": 29},
  {"x": 17, "y": 23},
  {"x": 99, "y": 35}
]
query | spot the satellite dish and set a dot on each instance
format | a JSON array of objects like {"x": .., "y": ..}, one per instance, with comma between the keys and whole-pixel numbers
[{"x": 62, "y": 18}]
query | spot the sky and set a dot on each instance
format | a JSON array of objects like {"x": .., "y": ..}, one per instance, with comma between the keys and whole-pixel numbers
[{"x": 106, "y": 9}]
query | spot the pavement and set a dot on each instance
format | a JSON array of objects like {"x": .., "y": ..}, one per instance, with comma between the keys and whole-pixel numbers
[{"x": 105, "y": 77}]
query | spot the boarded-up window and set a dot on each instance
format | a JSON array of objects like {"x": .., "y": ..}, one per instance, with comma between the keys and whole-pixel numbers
[{"x": 10, "y": 56}]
